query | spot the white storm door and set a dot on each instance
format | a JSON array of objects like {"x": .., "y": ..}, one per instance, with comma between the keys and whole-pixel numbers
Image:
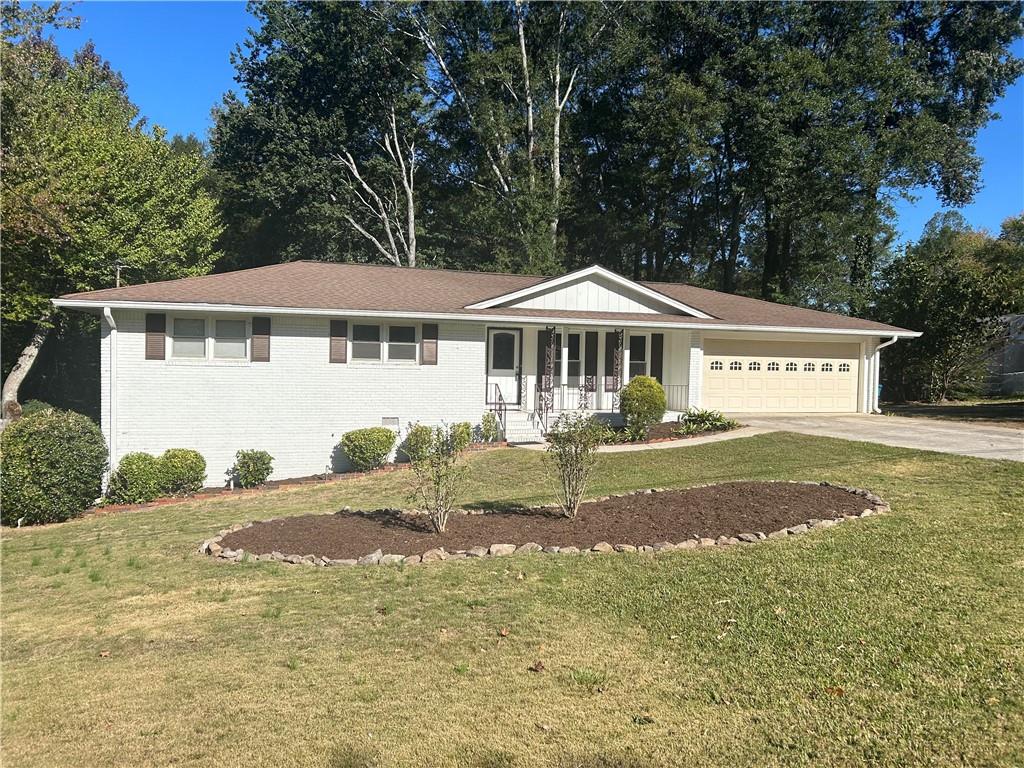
[{"x": 503, "y": 365}]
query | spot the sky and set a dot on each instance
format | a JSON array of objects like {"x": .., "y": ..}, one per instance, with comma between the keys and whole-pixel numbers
[{"x": 175, "y": 57}]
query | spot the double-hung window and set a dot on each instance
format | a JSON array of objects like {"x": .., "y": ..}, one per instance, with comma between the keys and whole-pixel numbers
[
  {"x": 188, "y": 338},
  {"x": 637, "y": 356},
  {"x": 402, "y": 343},
  {"x": 366, "y": 342},
  {"x": 229, "y": 340}
]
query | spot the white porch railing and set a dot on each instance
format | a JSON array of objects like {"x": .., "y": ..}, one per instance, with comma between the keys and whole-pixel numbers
[
  {"x": 566, "y": 398},
  {"x": 677, "y": 396}
]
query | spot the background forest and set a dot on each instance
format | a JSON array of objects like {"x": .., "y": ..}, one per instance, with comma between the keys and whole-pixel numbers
[{"x": 747, "y": 147}]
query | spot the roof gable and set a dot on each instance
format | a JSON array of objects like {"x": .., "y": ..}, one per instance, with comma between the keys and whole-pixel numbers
[{"x": 593, "y": 289}]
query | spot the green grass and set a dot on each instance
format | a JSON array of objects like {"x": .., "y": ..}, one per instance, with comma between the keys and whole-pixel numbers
[{"x": 894, "y": 640}]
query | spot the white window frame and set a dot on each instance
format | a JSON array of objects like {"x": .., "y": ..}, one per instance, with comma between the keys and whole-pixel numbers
[
  {"x": 647, "y": 355},
  {"x": 245, "y": 338},
  {"x": 385, "y": 344},
  {"x": 210, "y": 329},
  {"x": 415, "y": 344}
]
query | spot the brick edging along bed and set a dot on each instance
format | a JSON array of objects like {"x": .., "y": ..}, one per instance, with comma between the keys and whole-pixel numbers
[{"x": 873, "y": 505}]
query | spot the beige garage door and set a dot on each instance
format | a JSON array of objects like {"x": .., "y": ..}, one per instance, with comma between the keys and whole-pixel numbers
[{"x": 784, "y": 377}]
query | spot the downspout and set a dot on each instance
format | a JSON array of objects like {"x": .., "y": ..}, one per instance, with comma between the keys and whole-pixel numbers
[
  {"x": 112, "y": 388},
  {"x": 875, "y": 369}
]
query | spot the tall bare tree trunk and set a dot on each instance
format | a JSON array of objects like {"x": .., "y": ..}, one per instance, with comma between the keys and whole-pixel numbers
[
  {"x": 556, "y": 133},
  {"x": 10, "y": 408},
  {"x": 529, "y": 90}
]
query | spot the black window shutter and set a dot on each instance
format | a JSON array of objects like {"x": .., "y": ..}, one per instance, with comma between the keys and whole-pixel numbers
[
  {"x": 590, "y": 361},
  {"x": 657, "y": 355},
  {"x": 156, "y": 331},
  {"x": 259, "y": 349},
  {"x": 611, "y": 351},
  {"x": 428, "y": 344},
  {"x": 339, "y": 341}
]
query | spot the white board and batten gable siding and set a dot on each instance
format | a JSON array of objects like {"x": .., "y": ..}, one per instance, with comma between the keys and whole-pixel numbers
[{"x": 592, "y": 294}]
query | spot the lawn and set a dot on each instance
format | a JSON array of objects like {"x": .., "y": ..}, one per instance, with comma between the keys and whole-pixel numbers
[
  {"x": 1006, "y": 411},
  {"x": 892, "y": 640}
]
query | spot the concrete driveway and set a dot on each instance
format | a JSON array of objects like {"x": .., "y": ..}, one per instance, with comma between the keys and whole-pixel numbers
[{"x": 986, "y": 442}]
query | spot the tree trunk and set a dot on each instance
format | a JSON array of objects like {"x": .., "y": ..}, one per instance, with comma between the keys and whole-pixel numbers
[
  {"x": 10, "y": 408},
  {"x": 770, "y": 268},
  {"x": 529, "y": 90}
]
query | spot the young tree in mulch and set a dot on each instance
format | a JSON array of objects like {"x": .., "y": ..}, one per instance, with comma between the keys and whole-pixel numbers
[
  {"x": 439, "y": 475},
  {"x": 572, "y": 444}
]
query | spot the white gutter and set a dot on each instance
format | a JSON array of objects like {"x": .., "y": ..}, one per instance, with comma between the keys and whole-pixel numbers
[
  {"x": 112, "y": 388},
  {"x": 171, "y": 306},
  {"x": 875, "y": 372}
]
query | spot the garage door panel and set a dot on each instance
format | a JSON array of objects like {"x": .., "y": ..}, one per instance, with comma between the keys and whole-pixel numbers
[{"x": 781, "y": 376}]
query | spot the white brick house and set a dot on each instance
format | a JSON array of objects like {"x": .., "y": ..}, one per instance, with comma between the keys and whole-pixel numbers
[{"x": 290, "y": 357}]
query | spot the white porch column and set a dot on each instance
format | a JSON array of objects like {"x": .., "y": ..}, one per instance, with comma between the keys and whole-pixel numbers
[
  {"x": 625, "y": 356},
  {"x": 563, "y": 373},
  {"x": 695, "y": 378}
]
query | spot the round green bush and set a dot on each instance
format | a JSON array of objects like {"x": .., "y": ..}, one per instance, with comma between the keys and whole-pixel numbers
[
  {"x": 139, "y": 478},
  {"x": 642, "y": 402},
  {"x": 368, "y": 448},
  {"x": 53, "y": 465},
  {"x": 252, "y": 467},
  {"x": 33, "y": 406},
  {"x": 183, "y": 471},
  {"x": 417, "y": 442}
]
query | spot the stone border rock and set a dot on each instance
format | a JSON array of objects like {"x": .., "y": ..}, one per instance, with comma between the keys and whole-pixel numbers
[{"x": 876, "y": 506}]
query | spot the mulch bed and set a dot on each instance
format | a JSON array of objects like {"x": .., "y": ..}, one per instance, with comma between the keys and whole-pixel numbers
[{"x": 727, "y": 509}]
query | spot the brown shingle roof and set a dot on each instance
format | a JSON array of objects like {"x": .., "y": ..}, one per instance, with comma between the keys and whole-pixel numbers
[{"x": 364, "y": 287}]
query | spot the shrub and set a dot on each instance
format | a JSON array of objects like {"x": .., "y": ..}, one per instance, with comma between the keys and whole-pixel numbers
[
  {"x": 417, "y": 441},
  {"x": 439, "y": 477},
  {"x": 53, "y": 465},
  {"x": 642, "y": 402},
  {"x": 252, "y": 467},
  {"x": 183, "y": 471},
  {"x": 462, "y": 433},
  {"x": 139, "y": 478},
  {"x": 572, "y": 443},
  {"x": 34, "y": 406},
  {"x": 490, "y": 428},
  {"x": 696, "y": 420},
  {"x": 368, "y": 448}
]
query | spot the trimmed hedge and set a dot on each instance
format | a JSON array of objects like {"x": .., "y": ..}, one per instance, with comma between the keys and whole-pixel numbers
[
  {"x": 462, "y": 435},
  {"x": 417, "y": 442},
  {"x": 53, "y": 465},
  {"x": 252, "y": 467},
  {"x": 368, "y": 448},
  {"x": 643, "y": 403},
  {"x": 183, "y": 471},
  {"x": 139, "y": 478}
]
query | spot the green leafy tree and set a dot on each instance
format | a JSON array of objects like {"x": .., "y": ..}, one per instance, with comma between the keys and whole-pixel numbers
[
  {"x": 954, "y": 284},
  {"x": 86, "y": 185}
]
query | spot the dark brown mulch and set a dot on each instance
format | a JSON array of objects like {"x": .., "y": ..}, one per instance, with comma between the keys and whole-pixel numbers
[{"x": 726, "y": 509}]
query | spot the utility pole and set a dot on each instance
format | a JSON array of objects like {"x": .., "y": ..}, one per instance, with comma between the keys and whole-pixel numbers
[{"x": 117, "y": 274}]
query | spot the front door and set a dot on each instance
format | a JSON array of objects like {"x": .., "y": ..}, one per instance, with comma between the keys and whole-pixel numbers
[{"x": 503, "y": 365}]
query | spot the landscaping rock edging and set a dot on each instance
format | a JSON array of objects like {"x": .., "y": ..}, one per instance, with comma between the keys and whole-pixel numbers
[{"x": 876, "y": 506}]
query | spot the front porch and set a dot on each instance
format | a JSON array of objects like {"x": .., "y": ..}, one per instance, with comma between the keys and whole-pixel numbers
[{"x": 535, "y": 373}]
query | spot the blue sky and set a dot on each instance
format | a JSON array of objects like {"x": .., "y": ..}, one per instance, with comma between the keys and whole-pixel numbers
[{"x": 175, "y": 57}]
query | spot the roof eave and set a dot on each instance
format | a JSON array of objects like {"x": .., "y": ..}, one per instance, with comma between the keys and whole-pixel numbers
[{"x": 94, "y": 305}]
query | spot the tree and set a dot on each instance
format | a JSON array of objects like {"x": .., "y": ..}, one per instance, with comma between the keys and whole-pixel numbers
[
  {"x": 85, "y": 186},
  {"x": 954, "y": 284}
]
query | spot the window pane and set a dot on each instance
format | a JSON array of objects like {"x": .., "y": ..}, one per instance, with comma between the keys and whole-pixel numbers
[
  {"x": 366, "y": 333},
  {"x": 189, "y": 327},
  {"x": 230, "y": 329},
  {"x": 637, "y": 349},
  {"x": 401, "y": 351},
  {"x": 402, "y": 333},
  {"x": 503, "y": 351},
  {"x": 365, "y": 350},
  {"x": 574, "y": 346},
  {"x": 574, "y": 369},
  {"x": 188, "y": 347},
  {"x": 229, "y": 348},
  {"x": 637, "y": 368}
]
